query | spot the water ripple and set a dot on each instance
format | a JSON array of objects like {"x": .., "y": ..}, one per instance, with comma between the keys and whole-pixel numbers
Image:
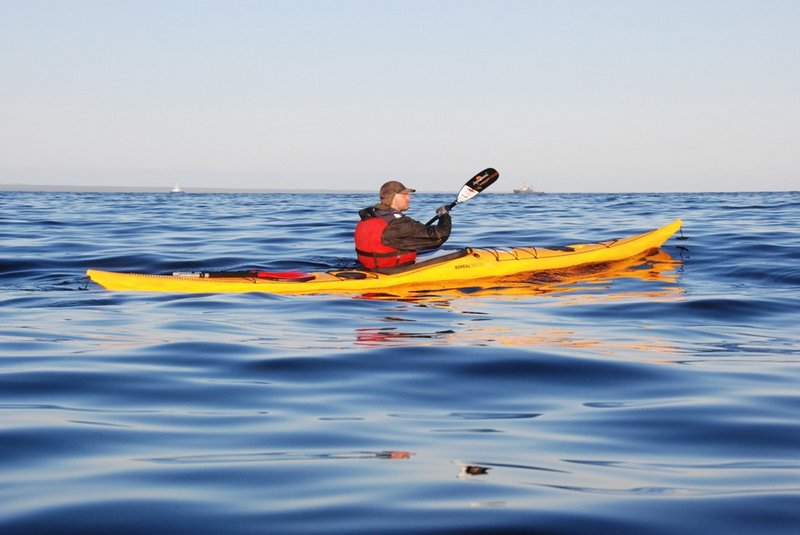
[{"x": 658, "y": 397}]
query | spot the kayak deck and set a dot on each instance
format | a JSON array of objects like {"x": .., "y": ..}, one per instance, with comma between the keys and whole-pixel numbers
[{"x": 464, "y": 265}]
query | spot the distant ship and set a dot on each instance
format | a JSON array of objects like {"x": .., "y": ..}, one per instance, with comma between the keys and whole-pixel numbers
[
  {"x": 526, "y": 189},
  {"x": 176, "y": 188}
]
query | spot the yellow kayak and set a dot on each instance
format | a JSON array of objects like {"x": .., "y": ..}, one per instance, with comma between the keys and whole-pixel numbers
[{"x": 463, "y": 267}]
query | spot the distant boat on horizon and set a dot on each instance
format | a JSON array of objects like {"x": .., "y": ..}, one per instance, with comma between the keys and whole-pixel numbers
[
  {"x": 525, "y": 188},
  {"x": 176, "y": 188}
]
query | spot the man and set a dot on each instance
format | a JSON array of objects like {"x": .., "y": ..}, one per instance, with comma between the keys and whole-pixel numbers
[{"x": 386, "y": 237}]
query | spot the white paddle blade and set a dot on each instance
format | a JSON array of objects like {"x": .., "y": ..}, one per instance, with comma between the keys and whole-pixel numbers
[{"x": 466, "y": 194}]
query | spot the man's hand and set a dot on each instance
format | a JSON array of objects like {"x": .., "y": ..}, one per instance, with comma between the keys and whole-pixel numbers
[{"x": 442, "y": 210}]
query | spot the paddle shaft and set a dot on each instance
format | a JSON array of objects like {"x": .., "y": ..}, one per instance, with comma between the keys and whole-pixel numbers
[{"x": 434, "y": 218}]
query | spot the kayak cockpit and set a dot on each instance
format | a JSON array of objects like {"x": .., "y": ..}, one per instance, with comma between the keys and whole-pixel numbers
[{"x": 460, "y": 253}]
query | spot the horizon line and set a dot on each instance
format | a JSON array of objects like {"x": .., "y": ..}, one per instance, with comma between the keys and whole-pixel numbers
[{"x": 55, "y": 188}]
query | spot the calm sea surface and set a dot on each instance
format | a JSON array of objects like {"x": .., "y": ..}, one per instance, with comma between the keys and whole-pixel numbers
[{"x": 661, "y": 396}]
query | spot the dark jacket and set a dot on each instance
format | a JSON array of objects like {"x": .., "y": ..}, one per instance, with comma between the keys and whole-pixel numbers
[{"x": 407, "y": 234}]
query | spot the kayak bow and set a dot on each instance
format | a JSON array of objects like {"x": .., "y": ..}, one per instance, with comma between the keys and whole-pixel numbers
[{"x": 446, "y": 271}]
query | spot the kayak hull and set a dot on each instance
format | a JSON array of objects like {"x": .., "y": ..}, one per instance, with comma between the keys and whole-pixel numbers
[{"x": 468, "y": 267}]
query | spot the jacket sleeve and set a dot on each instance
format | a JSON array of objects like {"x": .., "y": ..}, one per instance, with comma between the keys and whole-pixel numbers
[{"x": 407, "y": 234}]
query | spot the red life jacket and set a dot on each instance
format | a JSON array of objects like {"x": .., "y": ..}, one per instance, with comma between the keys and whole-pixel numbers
[{"x": 371, "y": 252}]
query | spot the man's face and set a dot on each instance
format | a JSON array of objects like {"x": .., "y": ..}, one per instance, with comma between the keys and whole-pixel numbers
[{"x": 401, "y": 201}]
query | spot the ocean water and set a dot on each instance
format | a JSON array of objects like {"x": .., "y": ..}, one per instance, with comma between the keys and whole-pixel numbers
[{"x": 658, "y": 396}]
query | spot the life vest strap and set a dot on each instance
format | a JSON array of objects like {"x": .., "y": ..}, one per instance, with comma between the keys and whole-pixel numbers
[{"x": 380, "y": 255}]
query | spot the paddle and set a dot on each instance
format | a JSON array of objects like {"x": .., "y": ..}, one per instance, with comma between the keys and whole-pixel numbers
[
  {"x": 291, "y": 276},
  {"x": 474, "y": 185}
]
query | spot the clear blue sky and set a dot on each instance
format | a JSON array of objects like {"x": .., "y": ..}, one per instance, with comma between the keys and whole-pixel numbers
[{"x": 574, "y": 96}]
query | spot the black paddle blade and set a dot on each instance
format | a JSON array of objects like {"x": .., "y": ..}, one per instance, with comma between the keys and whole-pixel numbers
[
  {"x": 483, "y": 180},
  {"x": 476, "y": 184}
]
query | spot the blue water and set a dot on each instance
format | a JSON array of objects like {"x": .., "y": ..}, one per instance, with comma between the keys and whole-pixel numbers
[{"x": 659, "y": 397}]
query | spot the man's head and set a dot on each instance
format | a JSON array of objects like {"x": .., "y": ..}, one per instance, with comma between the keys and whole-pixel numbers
[{"x": 396, "y": 195}]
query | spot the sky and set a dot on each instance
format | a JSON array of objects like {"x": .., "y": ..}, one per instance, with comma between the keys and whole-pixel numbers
[{"x": 565, "y": 95}]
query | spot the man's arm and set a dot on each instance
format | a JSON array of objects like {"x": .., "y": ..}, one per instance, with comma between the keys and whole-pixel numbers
[{"x": 407, "y": 234}]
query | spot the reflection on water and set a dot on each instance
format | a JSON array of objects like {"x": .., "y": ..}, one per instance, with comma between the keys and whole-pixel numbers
[
  {"x": 655, "y": 276},
  {"x": 283, "y": 456},
  {"x": 650, "y": 348},
  {"x": 597, "y": 400},
  {"x": 655, "y": 266}
]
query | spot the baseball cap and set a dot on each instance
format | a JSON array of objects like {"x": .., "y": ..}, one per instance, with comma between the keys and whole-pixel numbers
[{"x": 392, "y": 188}]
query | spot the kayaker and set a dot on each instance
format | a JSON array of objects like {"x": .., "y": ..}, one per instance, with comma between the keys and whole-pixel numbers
[{"x": 386, "y": 237}]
